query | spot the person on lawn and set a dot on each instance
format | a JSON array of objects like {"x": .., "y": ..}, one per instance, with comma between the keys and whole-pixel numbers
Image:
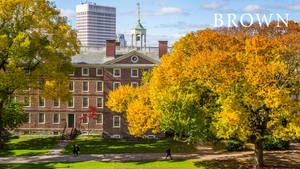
[
  {"x": 169, "y": 153},
  {"x": 75, "y": 150}
]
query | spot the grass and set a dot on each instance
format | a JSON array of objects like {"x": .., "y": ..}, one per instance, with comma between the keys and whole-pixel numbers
[
  {"x": 29, "y": 145},
  {"x": 95, "y": 145},
  {"x": 172, "y": 164}
]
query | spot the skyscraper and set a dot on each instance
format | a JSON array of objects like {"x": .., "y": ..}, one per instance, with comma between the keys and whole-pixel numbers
[{"x": 95, "y": 24}]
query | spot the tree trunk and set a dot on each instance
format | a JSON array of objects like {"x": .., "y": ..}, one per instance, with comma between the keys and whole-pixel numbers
[{"x": 259, "y": 159}]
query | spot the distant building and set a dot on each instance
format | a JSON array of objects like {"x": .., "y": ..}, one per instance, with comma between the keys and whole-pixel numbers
[
  {"x": 95, "y": 24},
  {"x": 121, "y": 39}
]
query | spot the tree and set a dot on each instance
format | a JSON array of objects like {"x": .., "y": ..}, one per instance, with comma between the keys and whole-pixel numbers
[
  {"x": 256, "y": 81},
  {"x": 36, "y": 45},
  {"x": 91, "y": 114}
]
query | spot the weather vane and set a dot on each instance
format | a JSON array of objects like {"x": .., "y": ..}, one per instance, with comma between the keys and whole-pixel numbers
[{"x": 139, "y": 13}]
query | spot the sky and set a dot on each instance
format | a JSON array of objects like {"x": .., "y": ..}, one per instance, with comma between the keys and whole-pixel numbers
[{"x": 171, "y": 19}]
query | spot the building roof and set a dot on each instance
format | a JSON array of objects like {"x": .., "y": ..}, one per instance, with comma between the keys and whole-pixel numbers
[
  {"x": 97, "y": 55},
  {"x": 139, "y": 26}
]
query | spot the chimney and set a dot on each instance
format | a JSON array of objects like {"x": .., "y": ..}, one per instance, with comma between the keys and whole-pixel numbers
[
  {"x": 110, "y": 48},
  {"x": 162, "y": 48}
]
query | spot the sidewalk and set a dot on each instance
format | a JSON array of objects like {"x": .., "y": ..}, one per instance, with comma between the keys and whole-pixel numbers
[{"x": 55, "y": 156}]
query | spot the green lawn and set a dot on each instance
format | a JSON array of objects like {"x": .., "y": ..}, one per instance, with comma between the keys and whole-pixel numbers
[
  {"x": 28, "y": 145},
  {"x": 172, "y": 164},
  {"x": 95, "y": 145}
]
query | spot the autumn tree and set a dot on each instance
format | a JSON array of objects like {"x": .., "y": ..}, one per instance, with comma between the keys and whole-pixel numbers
[
  {"x": 36, "y": 45},
  {"x": 256, "y": 83}
]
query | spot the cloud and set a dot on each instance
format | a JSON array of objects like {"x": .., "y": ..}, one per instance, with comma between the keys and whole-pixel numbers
[
  {"x": 164, "y": 11},
  {"x": 294, "y": 7},
  {"x": 183, "y": 25},
  {"x": 218, "y": 6},
  {"x": 253, "y": 8},
  {"x": 160, "y": 12},
  {"x": 68, "y": 13}
]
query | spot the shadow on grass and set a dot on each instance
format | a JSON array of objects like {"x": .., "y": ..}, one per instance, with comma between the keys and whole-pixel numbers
[
  {"x": 28, "y": 166},
  {"x": 224, "y": 164},
  {"x": 108, "y": 146},
  {"x": 23, "y": 146}
]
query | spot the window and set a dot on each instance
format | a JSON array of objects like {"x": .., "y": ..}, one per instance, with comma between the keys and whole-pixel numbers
[
  {"x": 41, "y": 118},
  {"x": 56, "y": 103},
  {"x": 71, "y": 86},
  {"x": 146, "y": 70},
  {"x": 99, "y": 72},
  {"x": 99, "y": 86},
  {"x": 100, "y": 102},
  {"x": 71, "y": 102},
  {"x": 56, "y": 118},
  {"x": 135, "y": 84},
  {"x": 116, "y": 121},
  {"x": 134, "y": 59},
  {"x": 28, "y": 118},
  {"x": 134, "y": 72},
  {"x": 117, "y": 72},
  {"x": 85, "y": 102},
  {"x": 85, "y": 71},
  {"x": 100, "y": 119},
  {"x": 27, "y": 101},
  {"x": 85, "y": 86},
  {"x": 41, "y": 102},
  {"x": 116, "y": 85},
  {"x": 85, "y": 119}
]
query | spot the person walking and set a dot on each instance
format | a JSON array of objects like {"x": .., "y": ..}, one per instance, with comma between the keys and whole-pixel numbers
[
  {"x": 76, "y": 149},
  {"x": 169, "y": 153}
]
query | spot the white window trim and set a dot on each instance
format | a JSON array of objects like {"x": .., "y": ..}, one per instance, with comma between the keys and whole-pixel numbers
[
  {"x": 29, "y": 101},
  {"x": 44, "y": 102},
  {"x": 72, "y": 81},
  {"x": 87, "y": 102},
  {"x": 114, "y": 122},
  {"x": 97, "y": 72},
  {"x": 101, "y": 123},
  {"x": 137, "y": 72},
  {"x": 87, "y": 119},
  {"x": 132, "y": 59},
  {"x": 115, "y": 83},
  {"x": 82, "y": 71},
  {"x": 88, "y": 86},
  {"x": 73, "y": 103},
  {"x": 97, "y": 102},
  {"x": 58, "y": 118},
  {"x": 97, "y": 86},
  {"x": 114, "y": 72},
  {"x": 29, "y": 118},
  {"x": 58, "y": 104},
  {"x": 72, "y": 74},
  {"x": 44, "y": 118}
]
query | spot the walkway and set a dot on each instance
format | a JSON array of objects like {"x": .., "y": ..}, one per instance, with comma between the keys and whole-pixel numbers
[{"x": 292, "y": 156}]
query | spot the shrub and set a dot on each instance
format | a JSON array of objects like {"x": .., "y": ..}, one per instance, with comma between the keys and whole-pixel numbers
[
  {"x": 233, "y": 145},
  {"x": 276, "y": 144}
]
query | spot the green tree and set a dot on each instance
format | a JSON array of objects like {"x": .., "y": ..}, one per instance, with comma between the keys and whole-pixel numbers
[{"x": 36, "y": 45}]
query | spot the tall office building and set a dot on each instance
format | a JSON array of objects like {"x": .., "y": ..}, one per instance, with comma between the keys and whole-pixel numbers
[{"x": 95, "y": 24}]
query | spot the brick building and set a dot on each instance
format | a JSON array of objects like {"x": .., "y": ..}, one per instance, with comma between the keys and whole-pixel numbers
[{"x": 98, "y": 70}]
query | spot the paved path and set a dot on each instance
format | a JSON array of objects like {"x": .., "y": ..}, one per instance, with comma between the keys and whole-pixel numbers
[
  {"x": 58, "y": 148},
  {"x": 204, "y": 154}
]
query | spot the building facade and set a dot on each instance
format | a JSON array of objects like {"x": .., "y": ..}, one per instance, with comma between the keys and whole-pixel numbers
[
  {"x": 98, "y": 70},
  {"x": 95, "y": 24}
]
